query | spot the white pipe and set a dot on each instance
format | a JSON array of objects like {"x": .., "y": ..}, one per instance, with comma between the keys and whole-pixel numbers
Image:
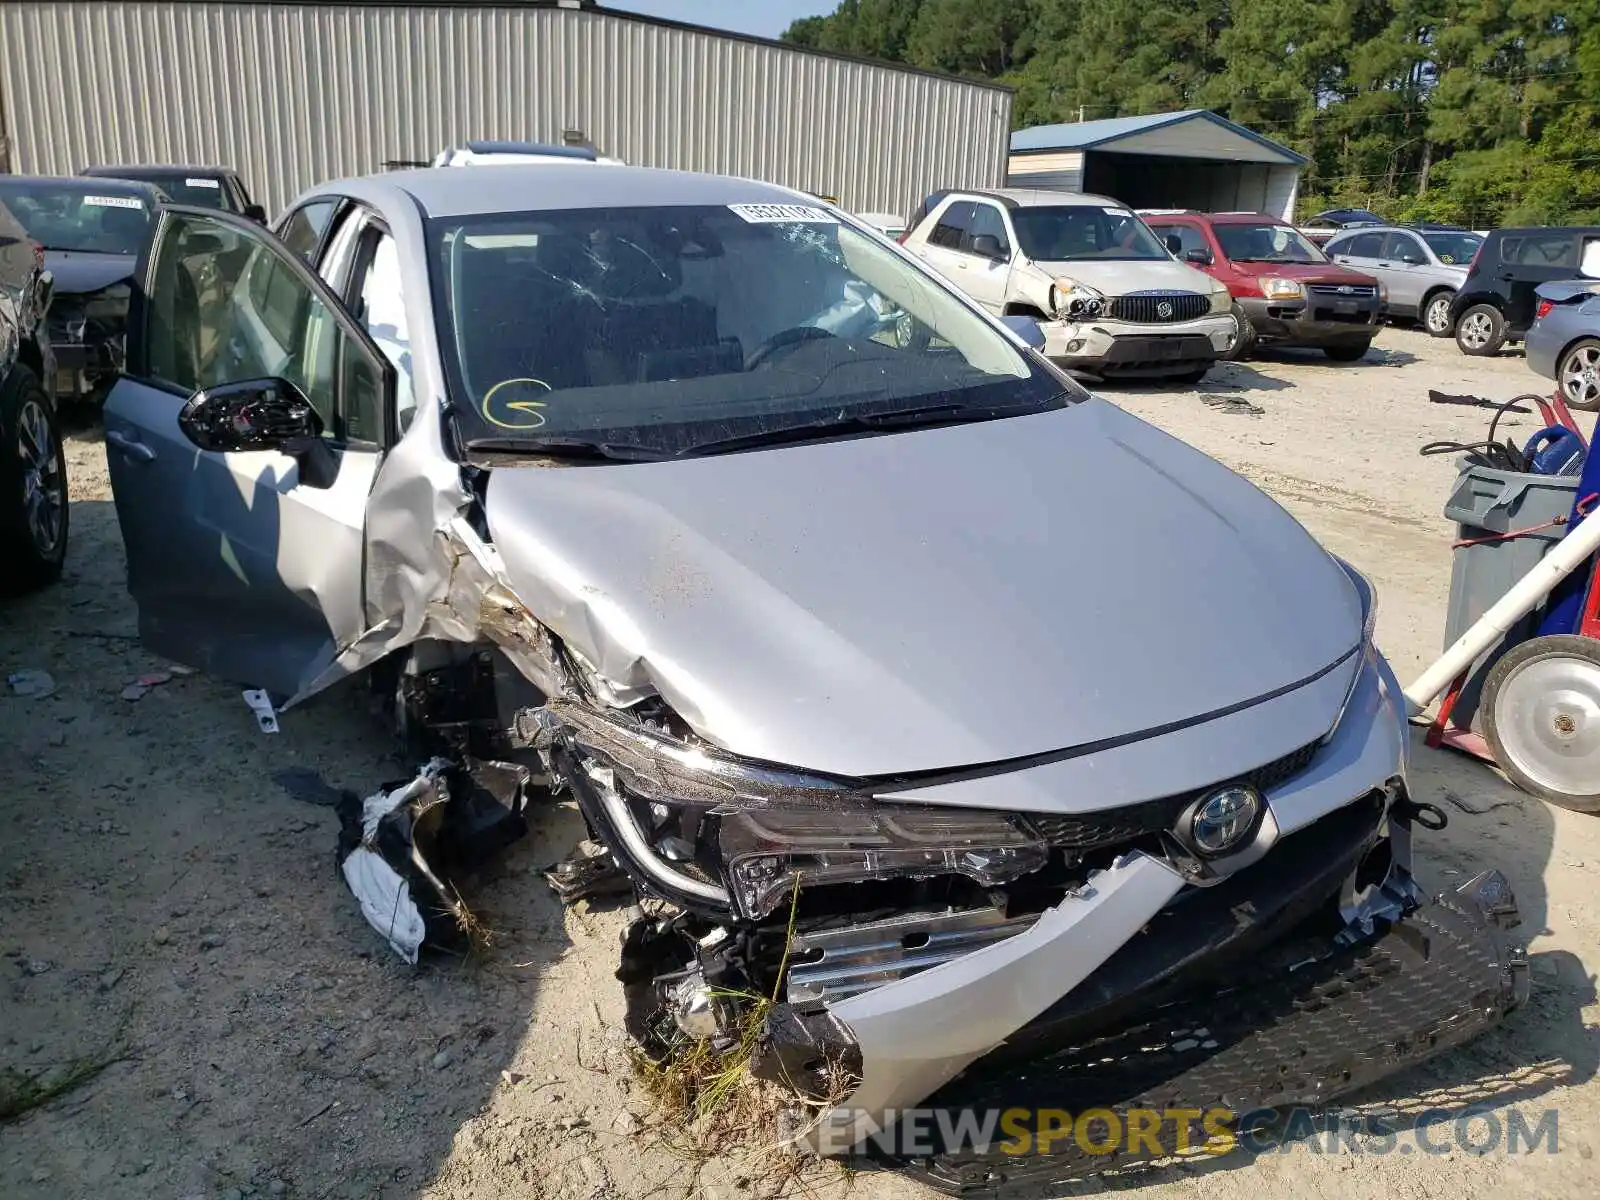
[{"x": 1574, "y": 549}]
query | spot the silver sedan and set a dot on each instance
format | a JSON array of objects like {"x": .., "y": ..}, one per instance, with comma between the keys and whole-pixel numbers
[
  {"x": 854, "y": 627},
  {"x": 1563, "y": 343}
]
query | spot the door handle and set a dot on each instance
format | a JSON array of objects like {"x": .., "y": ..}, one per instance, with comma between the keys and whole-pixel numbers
[{"x": 128, "y": 447}]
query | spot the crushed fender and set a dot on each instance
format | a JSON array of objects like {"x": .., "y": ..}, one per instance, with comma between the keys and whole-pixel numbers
[{"x": 401, "y": 848}]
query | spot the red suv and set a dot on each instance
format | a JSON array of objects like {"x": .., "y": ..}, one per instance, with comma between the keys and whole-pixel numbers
[{"x": 1285, "y": 290}]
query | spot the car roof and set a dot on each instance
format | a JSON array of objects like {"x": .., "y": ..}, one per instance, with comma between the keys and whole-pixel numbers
[
  {"x": 166, "y": 168},
  {"x": 1036, "y": 197},
  {"x": 1221, "y": 218},
  {"x": 549, "y": 187}
]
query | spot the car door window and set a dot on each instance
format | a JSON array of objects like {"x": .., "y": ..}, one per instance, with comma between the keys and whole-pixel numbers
[
  {"x": 1189, "y": 238},
  {"x": 1589, "y": 264},
  {"x": 987, "y": 219},
  {"x": 379, "y": 303},
  {"x": 1363, "y": 245},
  {"x": 1397, "y": 247},
  {"x": 1541, "y": 250},
  {"x": 229, "y": 305},
  {"x": 303, "y": 229},
  {"x": 951, "y": 229}
]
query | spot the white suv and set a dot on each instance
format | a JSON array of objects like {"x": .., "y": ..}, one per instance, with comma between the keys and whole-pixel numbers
[{"x": 1109, "y": 297}]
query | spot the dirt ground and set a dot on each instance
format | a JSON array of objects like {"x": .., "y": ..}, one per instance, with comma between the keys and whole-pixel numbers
[{"x": 173, "y": 929}]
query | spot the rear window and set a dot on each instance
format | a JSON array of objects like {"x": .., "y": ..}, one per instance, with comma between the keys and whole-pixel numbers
[
  {"x": 200, "y": 189},
  {"x": 1453, "y": 249}
]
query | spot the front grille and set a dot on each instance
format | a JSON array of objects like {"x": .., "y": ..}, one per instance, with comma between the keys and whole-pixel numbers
[
  {"x": 1157, "y": 308},
  {"x": 1347, "y": 291},
  {"x": 1112, "y": 826}
]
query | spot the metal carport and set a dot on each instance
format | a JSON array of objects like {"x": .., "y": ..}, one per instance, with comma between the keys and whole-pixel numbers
[{"x": 1190, "y": 159}]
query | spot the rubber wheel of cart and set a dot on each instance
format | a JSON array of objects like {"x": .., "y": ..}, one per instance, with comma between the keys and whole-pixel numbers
[
  {"x": 1541, "y": 717},
  {"x": 1436, "y": 314},
  {"x": 1244, "y": 342},
  {"x": 1579, "y": 375},
  {"x": 1347, "y": 351},
  {"x": 1481, "y": 331},
  {"x": 33, "y": 485}
]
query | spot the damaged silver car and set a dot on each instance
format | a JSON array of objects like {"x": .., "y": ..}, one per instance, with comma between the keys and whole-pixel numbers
[{"x": 976, "y": 721}]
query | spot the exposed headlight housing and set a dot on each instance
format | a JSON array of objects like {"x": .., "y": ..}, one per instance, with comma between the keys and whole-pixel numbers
[
  {"x": 1282, "y": 289},
  {"x": 1221, "y": 300},
  {"x": 769, "y": 852},
  {"x": 1075, "y": 301}
]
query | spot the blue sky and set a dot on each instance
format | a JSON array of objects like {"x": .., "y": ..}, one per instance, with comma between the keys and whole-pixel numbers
[{"x": 763, "y": 18}]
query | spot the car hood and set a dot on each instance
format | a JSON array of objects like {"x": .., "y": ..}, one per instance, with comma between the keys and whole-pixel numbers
[
  {"x": 1120, "y": 277},
  {"x": 79, "y": 273},
  {"x": 1307, "y": 272},
  {"x": 929, "y": 599}
]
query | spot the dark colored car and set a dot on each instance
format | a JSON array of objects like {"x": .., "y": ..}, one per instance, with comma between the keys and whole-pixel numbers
[
  {"x": 1497, "y": 302},
  {"x": 92, "y": 231},
  {"x": 33, "y": 467},
  {"x": 1285, "y": 291},
  {"x": 204, "y": 187}
]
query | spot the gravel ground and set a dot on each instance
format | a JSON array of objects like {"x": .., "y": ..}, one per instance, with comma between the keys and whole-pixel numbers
[{"x": 172, "y": 927}]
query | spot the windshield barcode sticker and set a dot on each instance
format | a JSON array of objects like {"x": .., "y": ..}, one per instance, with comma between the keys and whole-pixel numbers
[
  {"x": 205, "y": 183},
  {"x": 114, "y": 202},
  {"x": 766, "y": 214}
]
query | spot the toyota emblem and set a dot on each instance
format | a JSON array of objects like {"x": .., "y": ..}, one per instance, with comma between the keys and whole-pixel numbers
[
  {"x": 1163, "y": 310},
  {"x": 1225, "y": 819}
]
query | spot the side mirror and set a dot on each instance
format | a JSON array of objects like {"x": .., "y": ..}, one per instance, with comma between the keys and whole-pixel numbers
[
  {"x": 1027, "y": 328},
  {"x": 986, "y": 245},
  {"x": 1199, "y": 256},
  {"x": 258, "y": 414},
  {"x": 256, "y": 213},
  {"x": 261, "y": 414}
]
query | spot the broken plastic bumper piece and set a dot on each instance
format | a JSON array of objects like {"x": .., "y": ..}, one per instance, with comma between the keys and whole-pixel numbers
[{"x": 1302, "y": 1022}]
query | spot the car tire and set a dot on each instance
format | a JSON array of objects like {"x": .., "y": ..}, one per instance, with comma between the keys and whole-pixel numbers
[
  {"x": 1436, "y": 313},
  {"x": 1244, "y": 341},
  {"x": 34, "y": 511},
  {"x": 1578, "y": 375},
  {"x": 1481, "y": 331},
  {"x": 1534, "y": 703},
  {"x": 1348, "y": 351}
]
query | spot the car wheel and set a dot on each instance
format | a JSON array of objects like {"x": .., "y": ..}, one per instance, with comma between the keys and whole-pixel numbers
[
  {"x": 1347, "y": 351},
  {"x": 1579, "y": 375},
  {"x": 1244, "y": 337},
  {"x": 1541, "y": 717},
  {"x": 1436, "y": 314},
  {"x": 1481, "y": 330},
  {"x": 33, "y": 485}
]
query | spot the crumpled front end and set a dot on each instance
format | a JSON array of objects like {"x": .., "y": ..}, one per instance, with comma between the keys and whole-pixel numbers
[{"x": 906, "y": 960}]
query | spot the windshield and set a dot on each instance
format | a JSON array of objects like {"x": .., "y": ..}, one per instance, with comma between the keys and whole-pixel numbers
[
  {"x": 1266, "y": 242},
  {"x": 1066, "y": 233},
  {"x": 1453, "y": 249},
  {"x": 674, "y": 328},
  {"x": 87, "y": 217},
  {"x": 201, "y": 190}
]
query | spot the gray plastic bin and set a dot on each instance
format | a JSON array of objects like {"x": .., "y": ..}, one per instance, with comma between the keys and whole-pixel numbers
[{"x": 1486, "y": 502}]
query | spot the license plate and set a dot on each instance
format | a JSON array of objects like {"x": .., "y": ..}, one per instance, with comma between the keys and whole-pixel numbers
[{"x": 1346, "y": 306}]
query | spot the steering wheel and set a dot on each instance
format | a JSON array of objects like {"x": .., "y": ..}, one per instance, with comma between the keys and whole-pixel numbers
[{"x": 794, "y": 336}]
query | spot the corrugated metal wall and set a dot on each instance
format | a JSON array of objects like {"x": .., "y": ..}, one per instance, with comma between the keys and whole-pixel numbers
[{"x": 292, "y": 94}]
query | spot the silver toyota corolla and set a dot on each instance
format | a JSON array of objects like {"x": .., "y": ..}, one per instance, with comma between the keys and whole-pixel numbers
[{"x": 958, "y": 710}]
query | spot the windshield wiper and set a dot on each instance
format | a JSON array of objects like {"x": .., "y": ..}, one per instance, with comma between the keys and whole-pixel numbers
[
  {"x": 568, "y": 447},
  {"x": 902, "y": 418}
]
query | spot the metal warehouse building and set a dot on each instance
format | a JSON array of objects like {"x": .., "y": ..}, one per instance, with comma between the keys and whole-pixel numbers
[
  {"x": 292, "y": 93},
  {"x": 1191, "y": 159}
]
